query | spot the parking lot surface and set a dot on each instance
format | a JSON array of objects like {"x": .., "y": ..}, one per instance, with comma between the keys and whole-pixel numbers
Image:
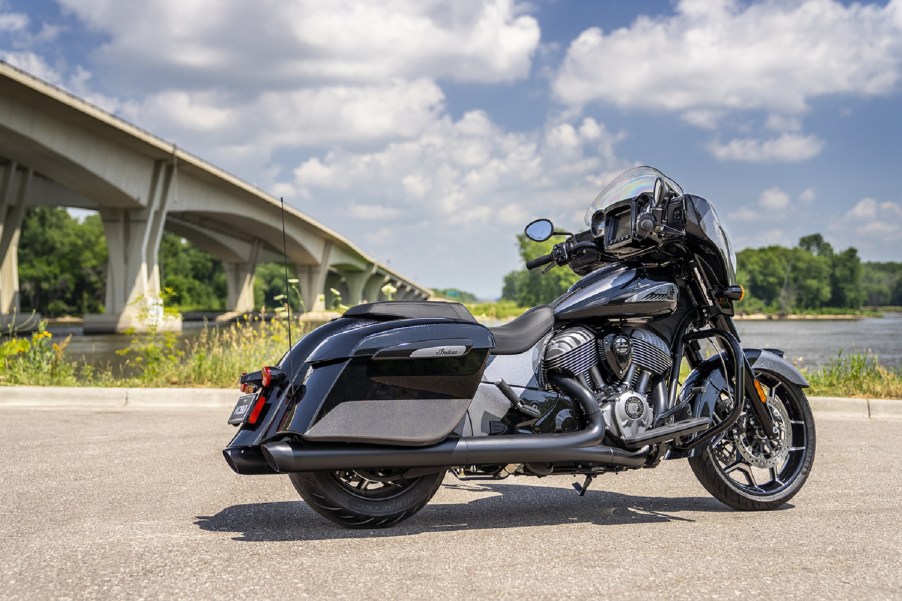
[{"x": 116, "y": 504}]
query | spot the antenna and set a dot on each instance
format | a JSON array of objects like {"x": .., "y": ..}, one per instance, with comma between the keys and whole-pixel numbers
[{"x": 287, "y": 296}]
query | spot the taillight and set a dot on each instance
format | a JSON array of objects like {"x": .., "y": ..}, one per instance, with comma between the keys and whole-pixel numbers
[
  {"x": 266, "y": 376},
  {"x": 255, "y": 412}
]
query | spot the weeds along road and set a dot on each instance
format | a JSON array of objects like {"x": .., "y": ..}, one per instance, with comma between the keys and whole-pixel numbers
[{"x": 140, "y": 504}]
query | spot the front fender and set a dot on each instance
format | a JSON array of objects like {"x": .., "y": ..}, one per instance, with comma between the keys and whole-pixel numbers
[{"x": 702, "y": 389}]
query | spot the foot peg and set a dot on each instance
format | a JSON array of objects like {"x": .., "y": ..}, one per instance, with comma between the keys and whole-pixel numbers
[{"x": 517, "y": 403}]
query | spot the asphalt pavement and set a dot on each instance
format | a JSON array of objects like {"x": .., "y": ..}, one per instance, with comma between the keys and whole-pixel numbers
[{"x": 131, "y": 504}]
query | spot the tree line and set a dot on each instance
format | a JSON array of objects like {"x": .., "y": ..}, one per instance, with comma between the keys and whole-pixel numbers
[
  {"x": 62, "y": 268},
  {"x": 811, "y": 276},
  {"x": 62, "y": 271}
]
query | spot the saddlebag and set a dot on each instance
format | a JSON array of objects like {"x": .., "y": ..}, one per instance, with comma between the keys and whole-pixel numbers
[{"x": 391, "y": 379}]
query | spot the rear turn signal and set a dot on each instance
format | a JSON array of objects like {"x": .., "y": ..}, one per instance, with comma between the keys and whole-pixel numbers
[
  {"x": 255, "y": 412},
  {"x": 266, "y": 376}
]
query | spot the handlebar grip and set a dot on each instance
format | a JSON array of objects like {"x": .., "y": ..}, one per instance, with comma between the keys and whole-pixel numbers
[{"x": 539, "y": 261}]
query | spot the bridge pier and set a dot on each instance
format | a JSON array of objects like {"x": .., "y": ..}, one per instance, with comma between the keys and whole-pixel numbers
[
  {"x": 240, "y": 282},
  {"x": 13, "y": 190},
  {"x": 133, "y": 301}
]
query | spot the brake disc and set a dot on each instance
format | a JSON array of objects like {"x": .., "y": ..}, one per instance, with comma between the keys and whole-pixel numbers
[{"x": 760, "y": 451}]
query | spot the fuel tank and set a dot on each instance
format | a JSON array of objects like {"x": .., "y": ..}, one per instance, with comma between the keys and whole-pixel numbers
[{"x": 619, "y": 291}]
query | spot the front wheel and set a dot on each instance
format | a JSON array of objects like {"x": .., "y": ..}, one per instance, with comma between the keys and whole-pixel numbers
[
  {"x": 366, "y": 498},
  {"x": 749, "y": 471}
]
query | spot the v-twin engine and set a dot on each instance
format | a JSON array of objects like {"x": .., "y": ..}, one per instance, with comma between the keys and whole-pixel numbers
[{"x": 623, "y": 366}]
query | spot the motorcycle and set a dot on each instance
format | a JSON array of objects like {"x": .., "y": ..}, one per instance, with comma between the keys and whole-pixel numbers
[{"x": 367, "y": 413}]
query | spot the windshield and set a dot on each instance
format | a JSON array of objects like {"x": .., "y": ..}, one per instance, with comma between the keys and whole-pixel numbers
[{"x": 629, "y": 184}]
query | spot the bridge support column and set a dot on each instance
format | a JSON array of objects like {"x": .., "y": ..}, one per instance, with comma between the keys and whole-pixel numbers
[
  {"x": 312, "y": 281},
  {"x": 240, "y": 282},
  {"x": 133, "y": 275},
  {"x": 356, "y": 282},
  {"x": 372, "y": 289},
  {"x": 13, "y": 188}
]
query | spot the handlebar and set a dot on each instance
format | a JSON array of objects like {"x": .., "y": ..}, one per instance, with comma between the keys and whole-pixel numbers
[
  {"x": 561, "y": 253},
  {"x": 539, "y": 261}
]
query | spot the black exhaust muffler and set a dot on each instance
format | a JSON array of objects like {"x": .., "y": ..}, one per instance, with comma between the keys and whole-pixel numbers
[{"x": 584, "y": 446}]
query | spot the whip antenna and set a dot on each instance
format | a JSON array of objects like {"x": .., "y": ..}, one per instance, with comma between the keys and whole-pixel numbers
[{"x": 285, "y": 263}]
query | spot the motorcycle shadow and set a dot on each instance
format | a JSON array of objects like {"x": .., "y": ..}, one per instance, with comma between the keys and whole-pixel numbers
[{"x": 511, "y": 506}]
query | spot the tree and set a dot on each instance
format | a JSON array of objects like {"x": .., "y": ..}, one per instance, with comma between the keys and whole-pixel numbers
[
  {"x": 62, "y": 263},
  {"x": 845, "y": 280},
  {"x": 531, "y": 288},
  {"x": 195, "y": 277}
]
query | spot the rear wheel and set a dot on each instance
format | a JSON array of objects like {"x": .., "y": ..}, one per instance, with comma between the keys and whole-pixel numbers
[
  {"x": 366, "y": 498},
  {"x": 749, "y": 471}
]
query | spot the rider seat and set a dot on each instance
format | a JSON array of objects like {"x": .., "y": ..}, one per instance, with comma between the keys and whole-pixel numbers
[
  {"x": 512, "y": 338},
  {"x": 522, "y": 333}
]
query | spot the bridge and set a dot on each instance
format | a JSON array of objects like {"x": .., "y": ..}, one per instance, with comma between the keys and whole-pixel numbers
[{"x": 56, "y": 149}]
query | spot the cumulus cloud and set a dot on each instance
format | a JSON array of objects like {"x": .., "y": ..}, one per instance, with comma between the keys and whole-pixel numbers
[
  {"x": 276, "y": 43},
  {"x": 786, "y": 147},
  {"x": 771, "y": 203},
  {"x": 726, "y": 54},
  {"x": 872, "y": 226},
  {"x": 469, "y": 170},
  {"x": 462, "y": 184}
]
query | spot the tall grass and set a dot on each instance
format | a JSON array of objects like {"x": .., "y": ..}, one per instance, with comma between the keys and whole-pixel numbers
[
  {"x": 218, "y": 355},
  {"x": 215, "y": 358},
  {"x": 855, "y": 375}
]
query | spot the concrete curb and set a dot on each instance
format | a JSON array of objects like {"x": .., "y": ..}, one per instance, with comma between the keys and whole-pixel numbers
[
  {"x": 225, "y": 398},
  {"x": 117, "y": 398}
]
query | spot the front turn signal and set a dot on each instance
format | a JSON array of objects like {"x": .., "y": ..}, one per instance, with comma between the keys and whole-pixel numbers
[
  {"x": 761, "y": 395},
  {"x": 735, "y": 292}
]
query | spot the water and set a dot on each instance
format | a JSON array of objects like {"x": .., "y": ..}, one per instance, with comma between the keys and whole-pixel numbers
[
  {"x": 807, "y": 343},
  {"x": 813, "y": 343}
]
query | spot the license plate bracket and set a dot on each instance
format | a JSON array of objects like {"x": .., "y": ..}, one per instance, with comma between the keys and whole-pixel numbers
[{"x": 242, "y": 408}]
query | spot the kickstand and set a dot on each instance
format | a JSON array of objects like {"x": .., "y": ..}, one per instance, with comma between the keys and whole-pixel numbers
[{"x": 582, "y": 489}]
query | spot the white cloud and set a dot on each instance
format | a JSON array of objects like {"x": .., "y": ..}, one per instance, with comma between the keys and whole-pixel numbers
[
  {"x": 461, "y": 190},
  {"x": 772, "y": 203},
  {"x": 872, "y": 226},
  {"x": 808, "y": 195},
  {"x": 13, "y": 21},
  {"x": 786, "y": 147},
  {"x": 352, "y": 115},
  {"x": 277, "y": 43},
  {"x": 727, "y": 54},
  {"x": 774, "y": 199}
]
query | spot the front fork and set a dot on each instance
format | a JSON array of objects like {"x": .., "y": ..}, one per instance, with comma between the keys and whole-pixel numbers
[{"x": 744, "y": 379}]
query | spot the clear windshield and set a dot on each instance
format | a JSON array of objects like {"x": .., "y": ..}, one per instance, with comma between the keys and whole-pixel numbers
[{"x": 629, "y": 184}]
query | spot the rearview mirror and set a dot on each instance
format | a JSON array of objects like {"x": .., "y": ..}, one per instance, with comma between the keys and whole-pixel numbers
[{"x": 539, "y": 230}]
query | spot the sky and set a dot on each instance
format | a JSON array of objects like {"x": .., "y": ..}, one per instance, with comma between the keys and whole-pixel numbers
[{"x": 431, "y": 132}]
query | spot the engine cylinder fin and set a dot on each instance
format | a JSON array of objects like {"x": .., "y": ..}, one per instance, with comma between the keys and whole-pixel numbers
[{"x": 650, "y": 352}]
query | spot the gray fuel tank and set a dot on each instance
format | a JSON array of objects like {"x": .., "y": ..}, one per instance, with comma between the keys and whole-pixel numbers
[{"x": 619, "y": 291}]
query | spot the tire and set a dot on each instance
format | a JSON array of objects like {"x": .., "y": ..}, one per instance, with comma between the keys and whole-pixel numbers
[
  {"x": 366, "y": 498},
  {"x": 748, "y": 473}
]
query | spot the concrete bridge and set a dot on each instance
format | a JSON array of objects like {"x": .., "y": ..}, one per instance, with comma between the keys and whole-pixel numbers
[{"x": 56, "y": 149}]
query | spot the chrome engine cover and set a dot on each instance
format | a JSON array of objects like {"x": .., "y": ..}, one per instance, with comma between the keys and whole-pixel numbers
[{"x": 628, "y": 414}]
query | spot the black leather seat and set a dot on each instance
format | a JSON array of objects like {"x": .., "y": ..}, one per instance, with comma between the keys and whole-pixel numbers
[
  {"x": 411, "y": 310},
  {"x": 522, "y": 333}
]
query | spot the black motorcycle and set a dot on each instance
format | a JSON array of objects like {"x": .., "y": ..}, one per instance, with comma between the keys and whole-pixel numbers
[{"x": 368, "y": 412}]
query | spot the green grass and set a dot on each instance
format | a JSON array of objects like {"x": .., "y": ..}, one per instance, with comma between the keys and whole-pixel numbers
[
  {"x": 855, "y": 375},
  {"x": 214, "y": 359}
]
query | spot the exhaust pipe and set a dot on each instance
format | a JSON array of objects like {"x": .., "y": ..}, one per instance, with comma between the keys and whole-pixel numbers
[{"x": 584, "y": 446}]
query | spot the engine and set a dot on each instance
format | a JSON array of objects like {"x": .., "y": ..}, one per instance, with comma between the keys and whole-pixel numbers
[{"x": 623, "y": 366}]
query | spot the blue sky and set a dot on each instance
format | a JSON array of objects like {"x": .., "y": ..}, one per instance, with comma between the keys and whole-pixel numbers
[{"x": 431, "y": 132}]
